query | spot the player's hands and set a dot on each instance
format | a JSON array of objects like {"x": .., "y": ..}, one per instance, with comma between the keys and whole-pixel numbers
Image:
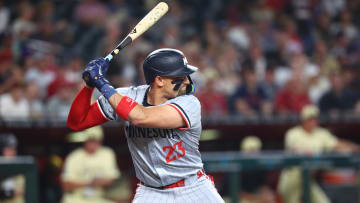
[{"x": 94, "y": 74}]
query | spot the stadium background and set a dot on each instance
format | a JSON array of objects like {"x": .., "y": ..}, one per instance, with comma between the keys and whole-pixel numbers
[{"x": 260, "y": 62}]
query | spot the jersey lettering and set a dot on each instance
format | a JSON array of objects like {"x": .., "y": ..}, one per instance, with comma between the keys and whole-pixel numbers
[{"x": 137, "y": 132}]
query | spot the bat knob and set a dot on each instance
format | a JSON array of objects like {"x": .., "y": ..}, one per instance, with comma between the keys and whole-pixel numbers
[
  {"x": 86, "y": 76},
  {"x": 109, "y": 57}
]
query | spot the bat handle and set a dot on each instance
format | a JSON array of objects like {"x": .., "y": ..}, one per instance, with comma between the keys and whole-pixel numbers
[
  {"x": 111, "y": 55},
  {"x": 122, "y": 44}
]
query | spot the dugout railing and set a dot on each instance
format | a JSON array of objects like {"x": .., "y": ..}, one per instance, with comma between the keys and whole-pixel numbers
[
  {"x": 234, "y": 163},
  {"x": 26, "y": 166}
]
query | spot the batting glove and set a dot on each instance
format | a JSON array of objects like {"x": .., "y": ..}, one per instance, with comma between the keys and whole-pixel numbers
[
  {"x": 94, "y": 76},
  {"x": 94, "y": 70}
]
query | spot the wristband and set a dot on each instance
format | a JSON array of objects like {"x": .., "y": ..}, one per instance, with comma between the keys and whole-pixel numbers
[
  {"x": 107, "y": 90},
  {"x": 125, "y": 106}
]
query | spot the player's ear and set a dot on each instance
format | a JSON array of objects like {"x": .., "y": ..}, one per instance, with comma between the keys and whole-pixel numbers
[{"x": 159, "y": 81}]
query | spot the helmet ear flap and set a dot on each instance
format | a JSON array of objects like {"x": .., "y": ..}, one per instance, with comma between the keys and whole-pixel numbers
[{"x": 190, "y": 88}]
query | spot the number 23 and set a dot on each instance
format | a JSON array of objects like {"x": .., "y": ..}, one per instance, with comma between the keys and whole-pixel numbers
[{"x": 169, "y": 157}]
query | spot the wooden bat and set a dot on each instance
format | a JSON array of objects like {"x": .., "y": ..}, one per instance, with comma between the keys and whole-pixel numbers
[{"x": 150, "y": 19}]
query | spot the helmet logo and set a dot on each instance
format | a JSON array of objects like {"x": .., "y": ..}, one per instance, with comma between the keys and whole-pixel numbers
[{"x": 185, "y": 61}]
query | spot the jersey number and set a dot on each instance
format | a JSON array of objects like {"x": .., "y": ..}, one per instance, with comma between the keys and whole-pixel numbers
[{"x": 170, "y": 157}]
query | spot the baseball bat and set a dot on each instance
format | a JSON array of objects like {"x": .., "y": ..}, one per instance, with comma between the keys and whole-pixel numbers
[{"x": 150, "y": 19}]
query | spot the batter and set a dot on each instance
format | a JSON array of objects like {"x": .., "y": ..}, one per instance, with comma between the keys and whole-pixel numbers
[{"x": 163, "y": 126}]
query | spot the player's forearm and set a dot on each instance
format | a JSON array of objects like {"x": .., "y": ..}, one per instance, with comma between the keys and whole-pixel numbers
[
  {"x": 346, "y": 146},
  {"x": 69, "y": 186},
  {"x": 163, "y": 116},
  {"x": 101, "y": 183},
  {"x": 136, "y": 116},
  {"x": 115, "y": 99}
]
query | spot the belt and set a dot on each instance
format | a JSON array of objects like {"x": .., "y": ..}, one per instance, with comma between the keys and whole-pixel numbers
[{"x": 180, "y": 183}]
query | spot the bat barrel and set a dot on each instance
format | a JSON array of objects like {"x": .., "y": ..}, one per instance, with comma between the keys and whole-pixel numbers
[{"x": 152, "y": 17}]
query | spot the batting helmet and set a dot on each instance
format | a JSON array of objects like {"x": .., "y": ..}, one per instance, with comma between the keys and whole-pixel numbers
[{"x": 168, "y": 62}]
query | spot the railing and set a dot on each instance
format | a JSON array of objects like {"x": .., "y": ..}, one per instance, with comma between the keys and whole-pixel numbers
[
  {"x": 25, "y": 165},
  {"x": 235, "y": 162},
  {"x": 338, "y": 118}
]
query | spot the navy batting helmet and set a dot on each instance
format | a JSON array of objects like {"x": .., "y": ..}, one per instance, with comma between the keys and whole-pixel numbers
[{"x": 168, "y": 62}]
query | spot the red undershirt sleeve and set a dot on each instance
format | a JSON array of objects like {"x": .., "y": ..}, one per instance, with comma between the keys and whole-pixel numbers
[{"x": 82, "y": 114}]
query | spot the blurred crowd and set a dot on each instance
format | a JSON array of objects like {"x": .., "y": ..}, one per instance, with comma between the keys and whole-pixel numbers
[{"x": 260, "y": 57}]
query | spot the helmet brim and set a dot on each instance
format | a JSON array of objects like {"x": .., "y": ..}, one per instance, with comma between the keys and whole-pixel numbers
[
  {"x": 188, "y": 70},
  {"x": 192, "y": 68}
]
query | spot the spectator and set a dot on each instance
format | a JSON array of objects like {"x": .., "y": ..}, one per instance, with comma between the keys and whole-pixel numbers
[
  {"x": 11, "y": 188},
  {"x": 6, "y": 47},
  {"x": 340, "y": 48},
  {"x": 9, "y": 75},
  {"x": 259, "y": 61},
  {"x": 268, "y": 84},
  {"x": 24, "y": 26},
  {"x": 351, "y": 77},
  {"x": 86, "y": 182},
  {"x": 300, "y": 68},
  {"x": 43, "y": 73},
  {"x": 333, "y": 7},
  {"x": 290, "y": 41},
  {"x": 13, "y": 105},
  {"x": 250, "y": 96},
  {"x": 171, "y": 36},
  {"x": 36, "y": 106},
  {"x": 61, "y": 80},
  {"x": 326, "y": 62},
  {"x": 239, "y": 36},
  {"x": 4, "y": 18},
  {"x": 255, "y": 188},
  {"x": 90, "y": 12},
  {"x": 346, "y": 26},
  {"x": 267, "y": 37},
  {"x": 213, "y": 103},
  {"x": 45, "y": 11},
  {"x": 251, "y": 145},
  {"x": 319, "y": 84},
  {"x": 58, "y": 106},
  {"x": 292, "y": 98},
  {"x": 74, "y": 70},
  {"x": 308, "y": 139},
  {"x": 322, "y": 31},
  {"x": 228, "y": 80},
  {"x": 338, "y": 98}
]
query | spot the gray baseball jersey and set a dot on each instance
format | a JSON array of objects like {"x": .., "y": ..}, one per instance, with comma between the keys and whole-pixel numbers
[{"x": 162, "y": 156}]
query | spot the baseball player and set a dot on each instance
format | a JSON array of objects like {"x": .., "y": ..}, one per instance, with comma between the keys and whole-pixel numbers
[{"x": 163, "y": 126}]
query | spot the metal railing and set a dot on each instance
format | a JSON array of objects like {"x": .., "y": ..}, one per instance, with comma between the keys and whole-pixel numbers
[
  {"x": 235, "y": 162},
  {"x": 25, "y": 165}
]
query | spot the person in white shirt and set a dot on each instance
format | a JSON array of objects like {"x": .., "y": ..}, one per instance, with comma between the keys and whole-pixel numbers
[{"x": 13, "y": 105}]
